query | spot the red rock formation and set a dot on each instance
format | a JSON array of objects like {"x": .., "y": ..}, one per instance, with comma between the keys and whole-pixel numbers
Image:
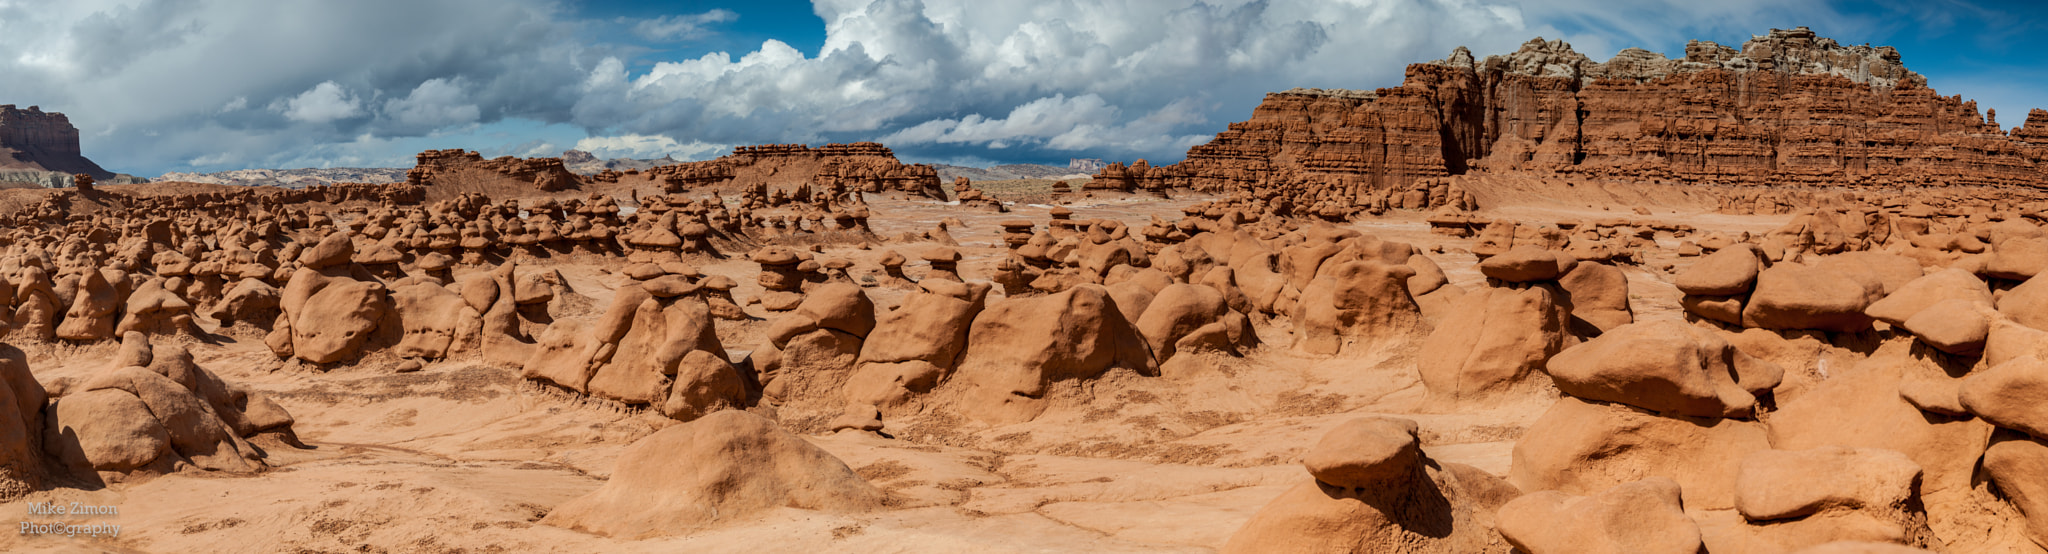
[
  {"x": 46, "y": 141},
  {"x": 1789, "y": 108},
  {"x": 860, "y": 166},
  {"x": 448, "y": 170},
  {"x": 2035, "y": 130}
]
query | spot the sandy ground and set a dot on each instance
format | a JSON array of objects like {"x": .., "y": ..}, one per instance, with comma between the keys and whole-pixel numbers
[{"x": 465, "y": 458}]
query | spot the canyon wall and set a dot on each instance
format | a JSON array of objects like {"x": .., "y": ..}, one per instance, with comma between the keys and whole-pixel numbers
[
  {"x": 35, "y": 140},
  {"x": 1789, "y": 108}
]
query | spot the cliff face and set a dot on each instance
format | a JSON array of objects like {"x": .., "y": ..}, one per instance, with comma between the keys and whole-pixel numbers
[
  {"x": 33, "y": 139},
  {"x": 1788, "y": 108}
]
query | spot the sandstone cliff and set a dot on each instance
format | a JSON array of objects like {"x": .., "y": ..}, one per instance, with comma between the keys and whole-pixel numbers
[
  {"x": 36, "y": 140},
  {"x": 1788, "y": 108}
]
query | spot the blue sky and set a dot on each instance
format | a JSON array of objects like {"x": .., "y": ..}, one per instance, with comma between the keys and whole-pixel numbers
[{"x": 211, "y": 85}]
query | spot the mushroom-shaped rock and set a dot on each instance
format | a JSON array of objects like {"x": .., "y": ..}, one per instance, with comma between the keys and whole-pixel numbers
[
  {"x": 1366, "y": 452},
  {"x": 840, "y": 306},
  {"x": 435, "y": 261},
  {"x": 334, "y": 249},
  {"x": 945, "y": 261},
  {"x": 250, "y": 300},
  {"x": 775, "y": 255},
  {"x": 721, "y": 467},
  {"x": 152, "y": 309},
  {"x": 643, "y": 272}
]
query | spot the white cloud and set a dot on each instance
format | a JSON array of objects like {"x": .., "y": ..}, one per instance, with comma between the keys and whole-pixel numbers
[
  {"x": 646, "y": 147},
  {"x": 682, "y": 27},
  {"x": 1060, "y": 123},
  {"x": 324, "y": 102},
  {"x": 374, "y": 81},
  {"x": 435, "y": 104}
]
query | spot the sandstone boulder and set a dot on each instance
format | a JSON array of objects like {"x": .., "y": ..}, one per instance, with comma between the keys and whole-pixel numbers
[
  {"x": 2010, "y": 395},
  {"x": 1366, "y": 452},
  {"x": 1726, "y": 272},
  {"x": 1919, "y": 294},
  {"x": 1799, "y": 296},
  {"x": 1491, "y": 342},
  {"x": 1018, "y": 348},
  {"x": 1953, "y": 326},
  {"x": 2016, "y": 466},
  {"x": 1405, "y": 502},
  {"x": 1665, "y": 366},
  {"x": 721, "y": 467},
  {"x": 1598, "y": 294},
  {"x": 704, "y": 383},
  {"x": 1785, "y": 484},
  {"x": 1644, "y": 516},
  {"x": 1581, "y": 448},
  {"x": 1527, "y": 263},
  {"x": 22, "y": 401},
  {"x": 1357, "y": 306},
  {"x": 2027, "y": 304},
  {"x": 916, "y": 345}
]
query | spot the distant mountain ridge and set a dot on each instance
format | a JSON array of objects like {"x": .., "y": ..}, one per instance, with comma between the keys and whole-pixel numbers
[
  {"x": 290, "y": 178},
  {"x": 579, "y": 162},
  {"x": 1007, "y": 172},
  {"x": 584, "y": 163}
]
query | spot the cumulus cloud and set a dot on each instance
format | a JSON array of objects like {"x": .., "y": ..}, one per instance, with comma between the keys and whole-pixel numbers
[
  {"x": 682, "y": 27},
  {"x": 647, "y": 147},
  {"x": 373, "y": 81},
  {"x": 1059, "y": 123},
  {"x": 435, "y": 104},
  {"x": 324, "y": 102},
  {"x": 319, "y": 75}
]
